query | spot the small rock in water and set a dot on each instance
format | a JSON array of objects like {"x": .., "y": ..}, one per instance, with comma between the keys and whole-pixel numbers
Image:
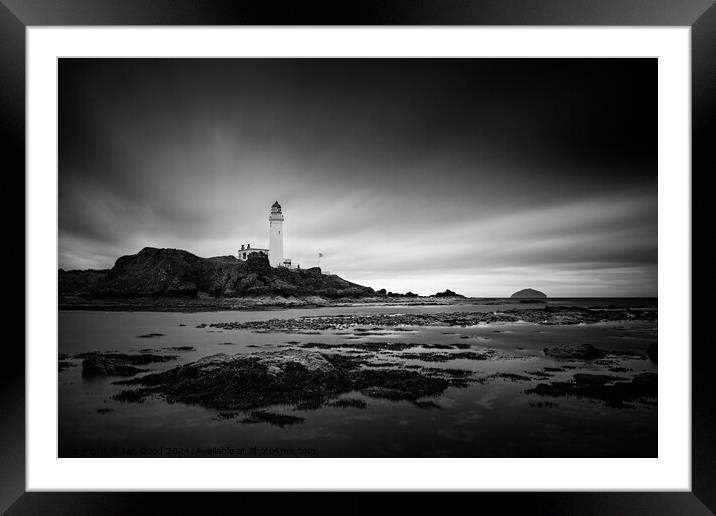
[
  {"x": 540, "y": 374},
  {"x": 133, "y": 396},
  {"x": 427, "y": 405},
  {"x": 100, "y": 366},
  {"x": 311, "y": 404},
  {"x": 280, "y": 420},
  {"x": 62, "y": 365},
  {"x": 615, "y": 391},
  {"x": 226, "y": 415},
  {"x": 580, "y": 352},
  {"x": 529, "y": 293},
  {"x": 513, "y": 377},
  {"x": 543, "y": 404}
]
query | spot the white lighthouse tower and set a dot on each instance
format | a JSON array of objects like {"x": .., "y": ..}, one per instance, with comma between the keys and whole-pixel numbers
[{"x": 276, "y": 236}]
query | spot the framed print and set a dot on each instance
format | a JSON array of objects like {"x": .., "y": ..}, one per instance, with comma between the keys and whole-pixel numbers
[{"x": 421, "y": 250}]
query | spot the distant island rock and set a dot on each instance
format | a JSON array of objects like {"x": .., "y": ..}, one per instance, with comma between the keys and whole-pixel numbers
[
  {"x": 447, "y": 293},
  {"x": 529, "y": 293},
  {"x": 175, "y": 273}
]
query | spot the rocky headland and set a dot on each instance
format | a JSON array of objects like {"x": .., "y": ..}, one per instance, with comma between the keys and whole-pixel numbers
[
  {"x": 172, "y": 277},
  {"x": 176, "y": 280}
]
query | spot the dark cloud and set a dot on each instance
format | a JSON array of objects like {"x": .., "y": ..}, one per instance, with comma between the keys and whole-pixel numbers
[{"x": 487, "y": 174}]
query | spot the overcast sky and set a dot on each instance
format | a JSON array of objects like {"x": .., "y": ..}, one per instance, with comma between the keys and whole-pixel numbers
[{"x": 484, "y": 176}]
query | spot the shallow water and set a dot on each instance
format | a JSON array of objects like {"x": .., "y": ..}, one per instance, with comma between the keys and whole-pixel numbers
[{"x": 491, "y": 419}]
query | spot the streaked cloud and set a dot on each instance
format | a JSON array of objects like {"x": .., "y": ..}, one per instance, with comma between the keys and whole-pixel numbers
[{"x": 479, "y": 177}]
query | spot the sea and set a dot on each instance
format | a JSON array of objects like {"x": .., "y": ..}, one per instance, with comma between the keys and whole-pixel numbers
[{"x": 495, "y": 418}]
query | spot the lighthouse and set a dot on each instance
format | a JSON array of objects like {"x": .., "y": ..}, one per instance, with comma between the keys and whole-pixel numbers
[{"x": 276, "y": 236}]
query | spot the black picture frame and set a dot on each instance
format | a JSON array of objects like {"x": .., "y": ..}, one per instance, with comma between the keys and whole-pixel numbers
[{"x": 17, "y": 15}]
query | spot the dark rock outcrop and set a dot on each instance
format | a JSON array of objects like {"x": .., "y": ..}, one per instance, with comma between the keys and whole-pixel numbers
[
  {"x": 174, "y": 273},
  {"x": 528, "y": 293},
  {"x": 305, "y": 379},
  {"x": 447, "y": 293}
]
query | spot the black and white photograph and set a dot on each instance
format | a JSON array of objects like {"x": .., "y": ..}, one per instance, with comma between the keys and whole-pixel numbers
[{"x": 357, "y": 257}]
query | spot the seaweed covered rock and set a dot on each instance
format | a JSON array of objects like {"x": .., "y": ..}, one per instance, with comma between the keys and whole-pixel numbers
[
  {"x": 545, "y": 316},
  {"x": 612, "y": 390},
  {"x": 580, "y": 352},
  {"x": 244, "y": 381},
  {"x": 289, "y": 377},
  {"x": 589, "y": 352},
  {"x": 105, "y": 366},
  {"x": 398, "y": 384},
  {"x": 117, "y": 364},
  {"x": 280, "y": 420},
  {"x": 63, "y": 365}
]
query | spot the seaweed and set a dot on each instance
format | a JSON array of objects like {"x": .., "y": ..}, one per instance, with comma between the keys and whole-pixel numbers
[
  {"x": 280, "y": 420},
  {"x": 615, "y": 391}
]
